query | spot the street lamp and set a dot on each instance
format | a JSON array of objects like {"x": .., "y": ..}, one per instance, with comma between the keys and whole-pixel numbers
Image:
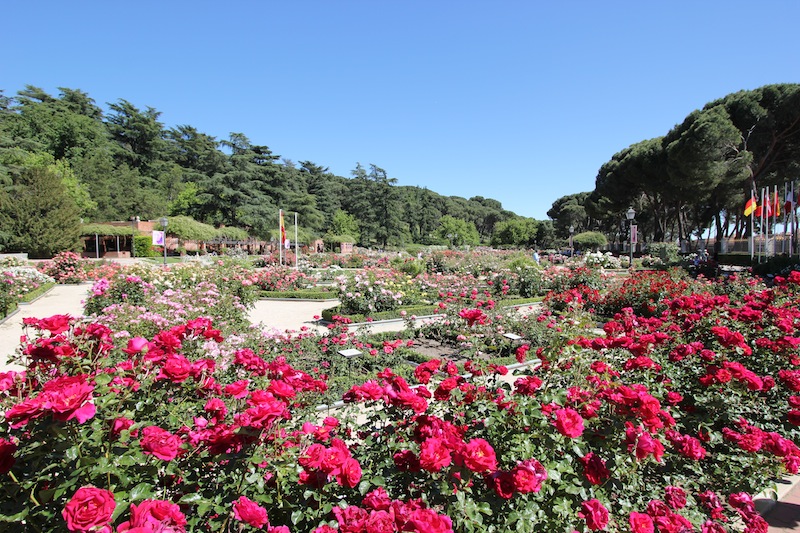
[
  {"x": 630, "y": 213},
  {"x": 163, "y": 221},
  {"x": 571, "y": 248}
]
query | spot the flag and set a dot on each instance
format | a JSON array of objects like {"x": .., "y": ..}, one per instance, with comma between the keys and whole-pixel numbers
[
  {"x": 776, "y": 204},
  {"x": 158, "y": 238},
  {"x": 283, "y": 229},
  {"x": 750, "y": 207},
  {"x": 790, "y": 201}
]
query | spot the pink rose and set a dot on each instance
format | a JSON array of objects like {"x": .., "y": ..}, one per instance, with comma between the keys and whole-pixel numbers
[
  {"x": 595, "y": 514},
  {"x": 155, "y": 515},
  {"x": 479, "y": 456},
  {"x": 569, "y": 422},
  {"x": 248, "y": 511},
  {"x": 160, "y": 443},
  {"x": 90, "y": 509},
  {"x": 641, "y": 523}
]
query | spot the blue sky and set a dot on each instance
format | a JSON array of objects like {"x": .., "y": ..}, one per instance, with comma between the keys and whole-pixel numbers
[{"x": 520, "y": 101}]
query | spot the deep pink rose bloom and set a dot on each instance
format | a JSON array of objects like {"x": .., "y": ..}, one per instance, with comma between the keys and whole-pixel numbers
[
  {"x": 641, "y": 523},
  {"x": 351, "y": 518},
  {"x": 68, "y": 398},
  {"x": 237, "y": 389},
  {"x": 675, "y": 497},
  {"x": 434, "y": 455},
  {"x": 55, "y": 324},
  {"x": 377, "y": 500},
  {"x": 429, "y": 521},
  {"x": 248, "y": 511},
  {"x": 90, "y": 509},
  {"x": 595, "y": 514},
  {"x": 569, "y": 422},
  {"x": 349, "y": 473},
  {"x": 136, "y": 345},
  {"x": 528, "y": 476},
  {"x": 154, "y": 515},
  {"x": 712, "y": 527},
  {"x": 479, "y": 456},
  {"x": 160, "y": 443},
  {"x": 594, "y": 468},
  {"x": 176, "y": 368}
]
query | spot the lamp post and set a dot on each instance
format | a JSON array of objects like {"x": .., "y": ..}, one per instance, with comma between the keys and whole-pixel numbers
[
  {"x": 163, "y": 221},
  {"x": 571, "y": 248},
  {"x": 629, "y": 214}
]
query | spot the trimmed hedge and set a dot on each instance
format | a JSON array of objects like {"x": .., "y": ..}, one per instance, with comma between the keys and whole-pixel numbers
[
  {"x": 301, "y": 294},
  {"x": 420, "y": 310}
]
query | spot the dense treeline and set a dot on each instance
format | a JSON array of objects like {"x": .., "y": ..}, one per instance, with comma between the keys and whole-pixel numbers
[
  {"x": 123, "y": 162},
  {"x": 699, "y": 174}
]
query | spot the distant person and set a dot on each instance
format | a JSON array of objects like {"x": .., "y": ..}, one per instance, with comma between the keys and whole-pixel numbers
[{"x": 536, "y": 256}]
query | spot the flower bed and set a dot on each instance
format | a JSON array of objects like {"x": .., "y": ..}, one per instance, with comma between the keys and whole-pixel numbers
[{"x": 664, "y": 423}]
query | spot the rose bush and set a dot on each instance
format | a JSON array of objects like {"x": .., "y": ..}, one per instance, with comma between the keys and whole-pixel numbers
[{"x": 663, "y": 423}]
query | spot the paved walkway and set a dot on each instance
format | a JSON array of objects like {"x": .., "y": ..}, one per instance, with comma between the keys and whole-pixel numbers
[{"x": 783, "y": 516}]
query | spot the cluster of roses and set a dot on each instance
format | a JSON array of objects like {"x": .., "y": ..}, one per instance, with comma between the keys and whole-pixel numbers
[
  {"x": 393, "y": 390},
  {"x": 380, "y": 513},
  {"x": 91, "y": 510},
  {"x": 280, "y": 279},
  {"x": 753, "y": 439},
  {"x": 663, "y": 515}
]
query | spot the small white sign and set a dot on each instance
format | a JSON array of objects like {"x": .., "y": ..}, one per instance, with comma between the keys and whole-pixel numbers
[{"x": 158, "y": 238}]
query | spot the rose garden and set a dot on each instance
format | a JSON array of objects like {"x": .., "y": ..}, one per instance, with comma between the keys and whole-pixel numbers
[{"x": 553, "y": 398}]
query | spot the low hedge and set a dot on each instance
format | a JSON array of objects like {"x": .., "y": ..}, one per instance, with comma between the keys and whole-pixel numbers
[
  {"x": 420, "y": 310},
  {"x": 302, "y": 294},
  {"x": 31, "y": 296}
]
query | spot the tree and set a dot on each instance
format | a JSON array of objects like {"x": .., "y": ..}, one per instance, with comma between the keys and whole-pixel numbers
[
  {"x": 516, "y": 232},
  {"x": 589, "y": 240},
  {"x": 38, "y": 214},
  {"x": 457, "y": 232},
  {"x": 344, "y": 225},
  {"x": 375, "y": 202}
]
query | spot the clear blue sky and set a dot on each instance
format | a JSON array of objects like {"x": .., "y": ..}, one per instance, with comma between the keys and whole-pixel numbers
[{"x": 521, "y": 101}]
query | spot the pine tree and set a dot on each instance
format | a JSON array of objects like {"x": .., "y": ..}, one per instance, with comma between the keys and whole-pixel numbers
[{"x": 38, "y": 215}]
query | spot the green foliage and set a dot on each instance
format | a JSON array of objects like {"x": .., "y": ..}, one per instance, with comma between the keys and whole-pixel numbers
[
  {"x": 143, "y": 246},
  {"x": 39, "y": 215},
  {"x": 667, "y": 252},
  {"x": 589, "y": 240}
]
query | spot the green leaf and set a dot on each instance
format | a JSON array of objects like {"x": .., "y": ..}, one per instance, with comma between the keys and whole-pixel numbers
[
  {"x": 192, "y": 498},
  {"x": 142, "y": 491}
]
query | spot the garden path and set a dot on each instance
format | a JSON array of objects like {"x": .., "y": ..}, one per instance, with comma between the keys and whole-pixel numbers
[{"x": 60, "y": 300}]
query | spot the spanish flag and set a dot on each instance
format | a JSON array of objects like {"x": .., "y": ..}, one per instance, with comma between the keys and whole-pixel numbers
[
  {"x": 750, "y": 207},
  {"x": 283, "y": 229},
  {"x": 776, "y": 204}
]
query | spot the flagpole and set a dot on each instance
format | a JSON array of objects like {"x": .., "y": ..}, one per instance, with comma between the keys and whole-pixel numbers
[
  {"x": 785, "y": 217},
  {"x": 762, "y": 247},
  {"x": 296, "y": 245},
  {"x": 280, "y": 237}
]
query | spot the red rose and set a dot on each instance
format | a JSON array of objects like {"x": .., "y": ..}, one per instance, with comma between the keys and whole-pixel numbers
[
  {"x": 160, "y": 442},
  {"x": 434, "y": 455},
  {"x": 349, "y": 473},
  {"x": 248, "y": 511},
  {"x": 712, "y": 527},
  {"x": 55, "y": 324},
  {"x": 675, "y": 497},
  {"x": 155, "y": 515},
  {"x": 595, "y": 514},
  {"x": 176, "y": 368},
  {"x": 503, "y": 483},
  {"x": 7, "y": 449},
  {"x": 594, "y": 468},
  {"x": 68, "y": 398},
  {"x": 641, "y": 523},
  {"x": 429, "y": 521},
  {"x": 528, "y": 476},
  {"x": 569, "y": 422},
  {"x": 479, "y": 456},
  {"x": 90, "y": 509}
]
